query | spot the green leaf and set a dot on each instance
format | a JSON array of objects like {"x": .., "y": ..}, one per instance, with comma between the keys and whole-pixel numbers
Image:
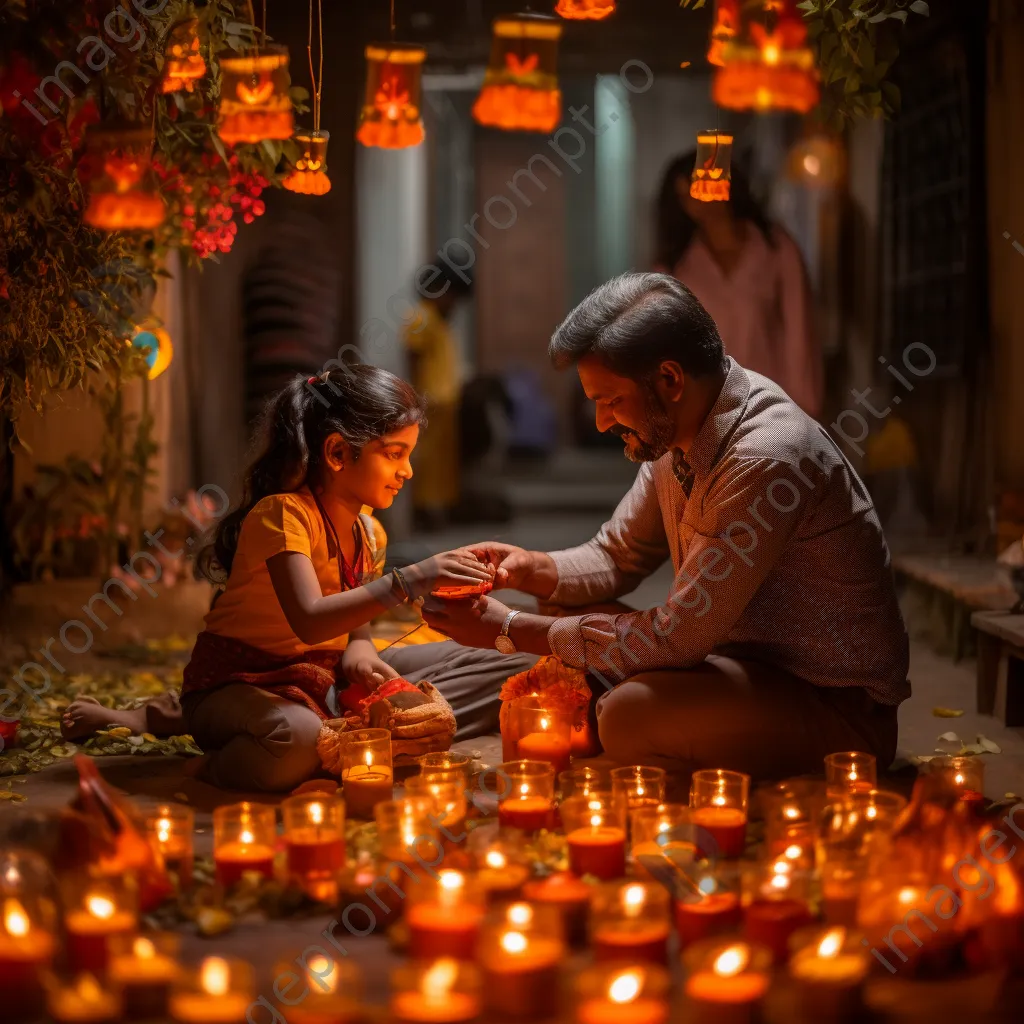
[{"x": 941, "y": 712}]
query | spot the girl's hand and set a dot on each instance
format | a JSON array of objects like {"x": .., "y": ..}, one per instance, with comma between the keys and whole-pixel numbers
[
  {"x": 368, "y": 670},
  {"x": 448, "y": 569}
]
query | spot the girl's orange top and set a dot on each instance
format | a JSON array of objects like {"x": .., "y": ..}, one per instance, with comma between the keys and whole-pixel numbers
[{"x": 248, "y": 609}]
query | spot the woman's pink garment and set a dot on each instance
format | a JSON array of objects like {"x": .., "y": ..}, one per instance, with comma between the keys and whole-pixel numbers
[{"x": 763, "y": 311}]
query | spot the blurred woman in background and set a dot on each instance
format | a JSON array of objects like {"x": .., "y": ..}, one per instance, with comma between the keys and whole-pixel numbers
[{"x": 749, "y": 275}]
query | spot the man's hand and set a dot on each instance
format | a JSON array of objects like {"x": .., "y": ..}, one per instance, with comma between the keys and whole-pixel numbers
[
  {"x": 473, "y": 623},
  {"x": 532, "y": 572},
  {"x": 361, "y": 664}
]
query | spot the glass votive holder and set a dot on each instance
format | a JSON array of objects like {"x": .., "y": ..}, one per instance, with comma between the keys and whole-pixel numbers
[
  {"x": 448, "y": 796},
  {"x": 778, "y": 905},
  {"x": 335, "y": 990},
  {"x": 170, "y": 828},
  {"x": 218, "y": 991},
  {"x": 660, "y": 832},
  {"x": 520, "y": 949},
  {"x": 567, "y": 894},
  {"x": 444, "y": 991},
  {"x": 582, "y": 779},
  {"x": 857, "y": 826},
  {"x": 144, "y": 969},
  {"x": 623, "y": 994},
  {"x": 710, "y": 905},
  {"x": 499, "y": 859},
  {"x": 630, "y": 921},
  {"x": 443, "y": 916},
  {"x": 526, "y": 794},
  {"x": 719, "y": 801},
  {"x": 541, "y": 733},
  {"x": 842, "y": 876},
  {"x": 84, "y": 999},
  {"x": 727, "y": 981},
  {"x": 850, "y": 770},
  {"x": 96, "y": 911},
  {"x": 244, "y": 837},
  {"x": 28, "y": 938},
  {"x": 639, "y": 786},
  {"x": 792, "y": 811},
  {"x": 314, "y": 839},
  {"x": 828, "y": 967},
  {"x": 367, "y": 772},
  {"x": 445, "y": 763},
  {"x": 965, "y": 774},
  {"x": 407, "y": 833},
  {"x": 595, "y": 830}
]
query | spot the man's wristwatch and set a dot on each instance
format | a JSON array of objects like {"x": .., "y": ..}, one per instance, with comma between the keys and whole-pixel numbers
[{"x": 503, "y": 642}]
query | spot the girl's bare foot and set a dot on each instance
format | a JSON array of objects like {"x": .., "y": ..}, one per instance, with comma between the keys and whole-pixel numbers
[{"x": 86, "y": 716}]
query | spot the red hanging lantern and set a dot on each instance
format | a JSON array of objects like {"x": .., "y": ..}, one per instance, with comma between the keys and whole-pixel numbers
[
  {"x": 254, "y": 100},
  {"x": 392, "y": 116},
  {"x": 768, "y": 66},
  {"x": 183, "y": 63},
  {"x": 723, "y": 31},
  {"x": 584, "y": 10},
  {"x": 121, "y": 194},
  {"x": 712, "y": 170},
  {"x": 520, "y": 90},
  {"x": 309, "y": 175}
]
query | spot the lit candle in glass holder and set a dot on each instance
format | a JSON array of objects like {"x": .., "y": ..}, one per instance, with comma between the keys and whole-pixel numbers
[
  {"x": 526, "y": 794},
  {"x": 520, "y": 950},
  {"x": 727, "y": 982},
  {"x": 850, "y": 771},
  {"x": 569, "y": 896},
  {"x": 542, "y": 734},
  {"x": 778, "y": 907},
  {"x": 367, "y": 775},
  {"x": 406, "y": 832},
  {"x": 595, "y": 829},
  {"x": 448, "y": 796},
  {"x": 966, "y": 774},
  {"x": 314, "y": 837},
  {"x": 581, "y": 780},
  {"x": 97, "y": 911},
  {"x": 220, "y": 991},
  {"x": 792, "y": 811},
  {"x": 84, "y": 1001},
  {"x": 335, "y": 991},
  {"x": 828, "y": 968},
  {"x": 500, "y": 862},
  {"x": 661, "y": 832},
  {"x": 621, "y": 994},
  {"x": 444, "y": 763},
  {"x": 144, "y": 969},
  {"x": 244, "y": 836},
  {"x": 27, "y": 945},
  {"x": 841, "y": 881},
  {"x": 639, "y": 786},
  {"x": 718, "y": 804},
  {"x": 711, "y": 908},
  {"x": 444, "y": 916},
  {"x": 444, "y": 991},
  {"x": 170, "y": 828},
  {"x": 630, "y": 921}
]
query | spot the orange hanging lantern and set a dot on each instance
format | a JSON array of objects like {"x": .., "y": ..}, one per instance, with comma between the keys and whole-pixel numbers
[
  {"x": 309, "y": 176},
  {"x": 726, "y": 26},
  {"x": 585, "y": 10},
  {"x": 121, "y": 195},
  {"x": 768, "y": 66},
  {"x": 183, "y": 63},
  {"x": 254, "y": 100},
  {"x": 712, "y": 170},
  {"x": 520, "y": 90},
  {"x": 392, "y": 116}
]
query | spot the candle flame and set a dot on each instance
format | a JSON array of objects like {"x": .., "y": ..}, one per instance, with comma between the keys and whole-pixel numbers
[
  {"x": 368, "y": 758},
  {"x": 719, "y": 801},
  {"x": 594, "y": 805},
  {"x": 595, "y": 820},
  {"x": 316, "y": 814},
  {"x": 513, "y": 942},
  {"x": 520, "y": 914},
  {"x": 163, "y": 829},
  {"x": 907, "y": 894},
  {"x": 958, "y": 778},
  {"x": 143, "y": 948},
  {"x": 625, "y": 987},
  {"x": 88, "y": 989},
  {"x": 794, "y": 852},
  {"x": 664, "y": 826},
  {"x": 633, "y": 898},
  {"x": 771, "y": 54},
  {"x": 792, "y": 812},
  {"x": 451, "y": 880},
  {"x": 853, "y": 774},
  {"x": 100, "y": 906},
  {"x": 495, "y": 859},
  {"x": 15, "y": 919},
  {"x": 214, "y": 976},
  {"x": 439, "y": 979},
  {"x": 246, "y": 836},
  {"x": 545, "y": 724},
  {"x": 731, "y": 961},
  {"x": 324, "y": 972},
  {"x": 640, "y": 789},
  {"x": 832, "y": 943},
  {"x": 524, "y": 788},
  {"x": 871, "y": 812}
]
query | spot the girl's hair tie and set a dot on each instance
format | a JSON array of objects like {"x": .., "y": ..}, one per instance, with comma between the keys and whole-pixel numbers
[{"x": 312, "y": 380}]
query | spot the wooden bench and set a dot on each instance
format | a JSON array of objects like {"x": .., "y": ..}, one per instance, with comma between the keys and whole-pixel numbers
[{"x": 1000, "y": 665}]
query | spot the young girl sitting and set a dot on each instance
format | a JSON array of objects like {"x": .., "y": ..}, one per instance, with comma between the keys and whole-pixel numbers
[{"x": 302, "y": 574}]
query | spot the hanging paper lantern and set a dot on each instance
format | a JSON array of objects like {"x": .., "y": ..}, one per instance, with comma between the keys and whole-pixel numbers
[
  {"x": 724, "y": 29},
  {"x": 121, "y": 194},
  {"x": 712, "y": 170},
  {"x": 520, "y": 90},
  {"x": 309, "y": 175},
  {"x": 585, "y": 10},
  {"x": 155, "y": 342},
  {"x": 183, "y": 63},
  {"x": 254, "y": 100},
  {"x": 817, "y": 161},
  {"x": 768, "y": 66},
  {"x": 392, "y": 117}
]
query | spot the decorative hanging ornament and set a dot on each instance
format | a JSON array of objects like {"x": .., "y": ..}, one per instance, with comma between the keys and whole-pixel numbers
[
  {"x": 392, "y": 116},
  {"x": 155, "y": 343},
  {"x": 712, "y": 170},
  {"x": 183, "y": 63},
  {"x": 520, "y": 91},
  {"x": 724, "y": 29},
  {"x": 768, "y": 66},
  {"x": 309, "y": 175},
  {"x": 585, "y": 10},
  {"x": 254, "y": 100},
  {"x": 122, "y": 196}
]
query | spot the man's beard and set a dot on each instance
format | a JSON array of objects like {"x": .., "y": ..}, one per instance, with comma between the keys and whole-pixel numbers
[{"x": 657, "y": 433}]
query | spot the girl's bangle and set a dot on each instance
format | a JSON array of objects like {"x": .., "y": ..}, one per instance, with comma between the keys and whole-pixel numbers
[{"x": 402, "y": 585}]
